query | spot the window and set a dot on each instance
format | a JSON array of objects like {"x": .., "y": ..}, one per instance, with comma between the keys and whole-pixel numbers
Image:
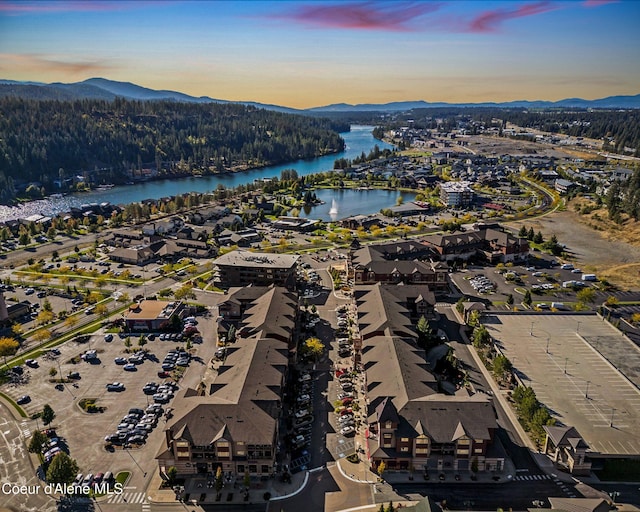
[
  {"x": 404, "y": 448},
  {"x": 422, "y": 451},
  {"x": 386, "y": 440},
  {"x": 265, "y": 468},
  {"x": 241, "y": 468},
  {"x": 404, "y": 439},
  {"x": 388, "y": 424}
]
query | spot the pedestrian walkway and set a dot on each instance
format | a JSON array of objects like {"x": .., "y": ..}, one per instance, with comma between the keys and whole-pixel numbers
[
  {"x": 24, "y": 428},
  {"x": 532, "y": 477},
  {"x": 128, "y": 497}
]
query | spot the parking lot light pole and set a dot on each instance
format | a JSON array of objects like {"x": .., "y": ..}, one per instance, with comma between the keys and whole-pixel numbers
[
  {"x": 136, "y": 462},
  {"x": 586, "y": 393},
  {"x": 566, "y": 359},
  {"x": 548, "y": 339},
  {"x": 531, "y": 330}
]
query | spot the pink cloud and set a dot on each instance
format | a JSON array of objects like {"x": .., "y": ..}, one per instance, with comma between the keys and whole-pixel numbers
[
  {"x": 490, "y": 21},
  {"x": 598, "y": 3},
  {"x": 12, "y": 62},
  {"x": 395, "y": 16}
]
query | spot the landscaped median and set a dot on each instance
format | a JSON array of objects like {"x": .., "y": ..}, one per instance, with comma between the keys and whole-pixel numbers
[
  {"x": 87, "y": 328},
  {"x": 12, "y": 402}
]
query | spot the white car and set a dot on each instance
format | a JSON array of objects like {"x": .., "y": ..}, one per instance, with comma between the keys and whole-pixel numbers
[{"x": 347, "y": 431}]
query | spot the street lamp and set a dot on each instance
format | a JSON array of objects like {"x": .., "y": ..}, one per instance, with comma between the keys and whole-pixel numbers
[
  {"x": 548, "y": 340},
  {"x": 566, "y": 359},
  {"x": 136, "y": 462},
  {"x": 611, "y": 420},
  {"x": 531, "y": 330},
  {"x": 586, "y": 393},
  {"x": 578, "y": 328},
  {"x": 614, "y": 495}
]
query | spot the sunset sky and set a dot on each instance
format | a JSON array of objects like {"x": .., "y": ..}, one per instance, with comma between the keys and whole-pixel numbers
[{"x": 306, "y": 54}]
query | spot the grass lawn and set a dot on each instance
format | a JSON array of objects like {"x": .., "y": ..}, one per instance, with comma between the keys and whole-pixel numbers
[{"x": 15, "y": 405}]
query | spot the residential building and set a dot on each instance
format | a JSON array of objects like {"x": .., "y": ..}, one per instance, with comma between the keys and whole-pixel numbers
[
  {"x": 409, "y": 423},
  {"x": 233, "y": 422},
  {"x": 398, "y": 262},
  {"x": 456, "y": 193},
  {"x": 564, "y": 186},
  {"x": 243, "y": 268},
  {"x": 490, "y": 243}
]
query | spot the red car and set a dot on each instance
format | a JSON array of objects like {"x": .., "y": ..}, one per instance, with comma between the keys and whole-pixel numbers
[{"x": 163, "y": 375}]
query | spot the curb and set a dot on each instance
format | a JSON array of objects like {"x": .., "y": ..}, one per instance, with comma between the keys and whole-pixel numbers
[
  {"x": 355, "y": 480},
  {"x": 297, "y": 491}
]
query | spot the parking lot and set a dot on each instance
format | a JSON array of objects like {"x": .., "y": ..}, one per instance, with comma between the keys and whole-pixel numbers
[
  {"x": 547, "y": 284},
  {"x": 85, "y": 432},
  {"x": 558, "y": 356}
]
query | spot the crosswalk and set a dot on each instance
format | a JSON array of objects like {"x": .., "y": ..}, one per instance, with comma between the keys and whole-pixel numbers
[
  {"x": 24, "y": 428},
  {"x": 532, "y": 477},
  {"x": 128, "y": 497},
  {"x": 565, "y": 488}
]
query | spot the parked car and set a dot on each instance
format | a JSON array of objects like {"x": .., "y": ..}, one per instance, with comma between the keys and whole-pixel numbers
[
  {"x": 120, "y": 360},
  {"x": 115, "y": 386},
  {"x": 108, "y": 337},
  {"x": 24, "y": 399},
  {"x": 348, "y": 431},
  {"x": 130, "y": 367},
  {"x": 32, "y": 363}
]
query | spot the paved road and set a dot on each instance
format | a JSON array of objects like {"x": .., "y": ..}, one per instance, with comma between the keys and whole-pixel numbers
[{"x": 15, "y": 467}]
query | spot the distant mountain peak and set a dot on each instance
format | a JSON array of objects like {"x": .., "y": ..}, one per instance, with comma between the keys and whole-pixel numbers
[{"x": 106, "y": 89}]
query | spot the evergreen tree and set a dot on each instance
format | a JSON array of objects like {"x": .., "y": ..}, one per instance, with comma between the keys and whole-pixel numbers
[
  {"x": 48, "y": 415},
  {"x": 62, "y": 470}
]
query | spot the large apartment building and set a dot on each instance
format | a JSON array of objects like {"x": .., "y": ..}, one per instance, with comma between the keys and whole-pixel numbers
[
  {"x": 456, "y": 193},
  {"x": 398, "y": 263},
  {"x": 244, "y": 268},
  {"x": 491, "y": 244},
  {"x": 410, "y": 424},
  {"x": 232, "y": 421}
]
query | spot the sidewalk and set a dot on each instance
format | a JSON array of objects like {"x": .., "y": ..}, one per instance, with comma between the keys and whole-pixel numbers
[{"x": 200, "y": 490}]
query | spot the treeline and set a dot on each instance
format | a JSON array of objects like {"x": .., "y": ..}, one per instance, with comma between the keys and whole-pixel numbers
[
  {"x": 374, "y": 154},
  {"x": 620, "y": 129},
  {"x": 38, "y": 139},
  {"x": 624, "y": 197}
]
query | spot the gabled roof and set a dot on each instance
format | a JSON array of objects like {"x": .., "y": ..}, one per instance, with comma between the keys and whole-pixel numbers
[{"x": 565, "y": 436}]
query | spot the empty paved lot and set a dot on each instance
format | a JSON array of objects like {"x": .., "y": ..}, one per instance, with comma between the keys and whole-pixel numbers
[{"x": 578, "y": 385}]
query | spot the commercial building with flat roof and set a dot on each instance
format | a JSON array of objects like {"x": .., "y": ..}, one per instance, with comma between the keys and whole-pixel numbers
[
  {"x": 243, "y": 268},
  {"x": 152, "y": 315},
  {"x": 456, "y": 193}
]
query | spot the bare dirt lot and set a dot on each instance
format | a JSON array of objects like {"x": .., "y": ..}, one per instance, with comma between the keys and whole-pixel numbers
[{"x": 613, "y": 259}]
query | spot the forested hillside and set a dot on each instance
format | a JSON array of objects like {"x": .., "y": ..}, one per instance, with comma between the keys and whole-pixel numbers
[{"x": 39, "y": 138}]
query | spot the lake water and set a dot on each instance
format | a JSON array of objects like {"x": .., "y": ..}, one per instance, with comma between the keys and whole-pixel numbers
[
  {"x": 350, "y": 202},
  {"x": 358, "y": 140}
]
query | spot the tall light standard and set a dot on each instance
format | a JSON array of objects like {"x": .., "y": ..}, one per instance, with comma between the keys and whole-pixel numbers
[
  {"x": 548, "y": 340},
  {"x": 611, "y": 420},
  {"x": 531, "y": 330},
  {"x": 566, "y": 359},
  {"x": 578, "y": 328},
  {"x": 586, "y": 393},
  {"x": 136, "y": 462}
]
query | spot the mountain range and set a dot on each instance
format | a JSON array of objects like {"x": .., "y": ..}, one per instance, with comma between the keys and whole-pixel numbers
[{"x": 104, "y": 89}]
